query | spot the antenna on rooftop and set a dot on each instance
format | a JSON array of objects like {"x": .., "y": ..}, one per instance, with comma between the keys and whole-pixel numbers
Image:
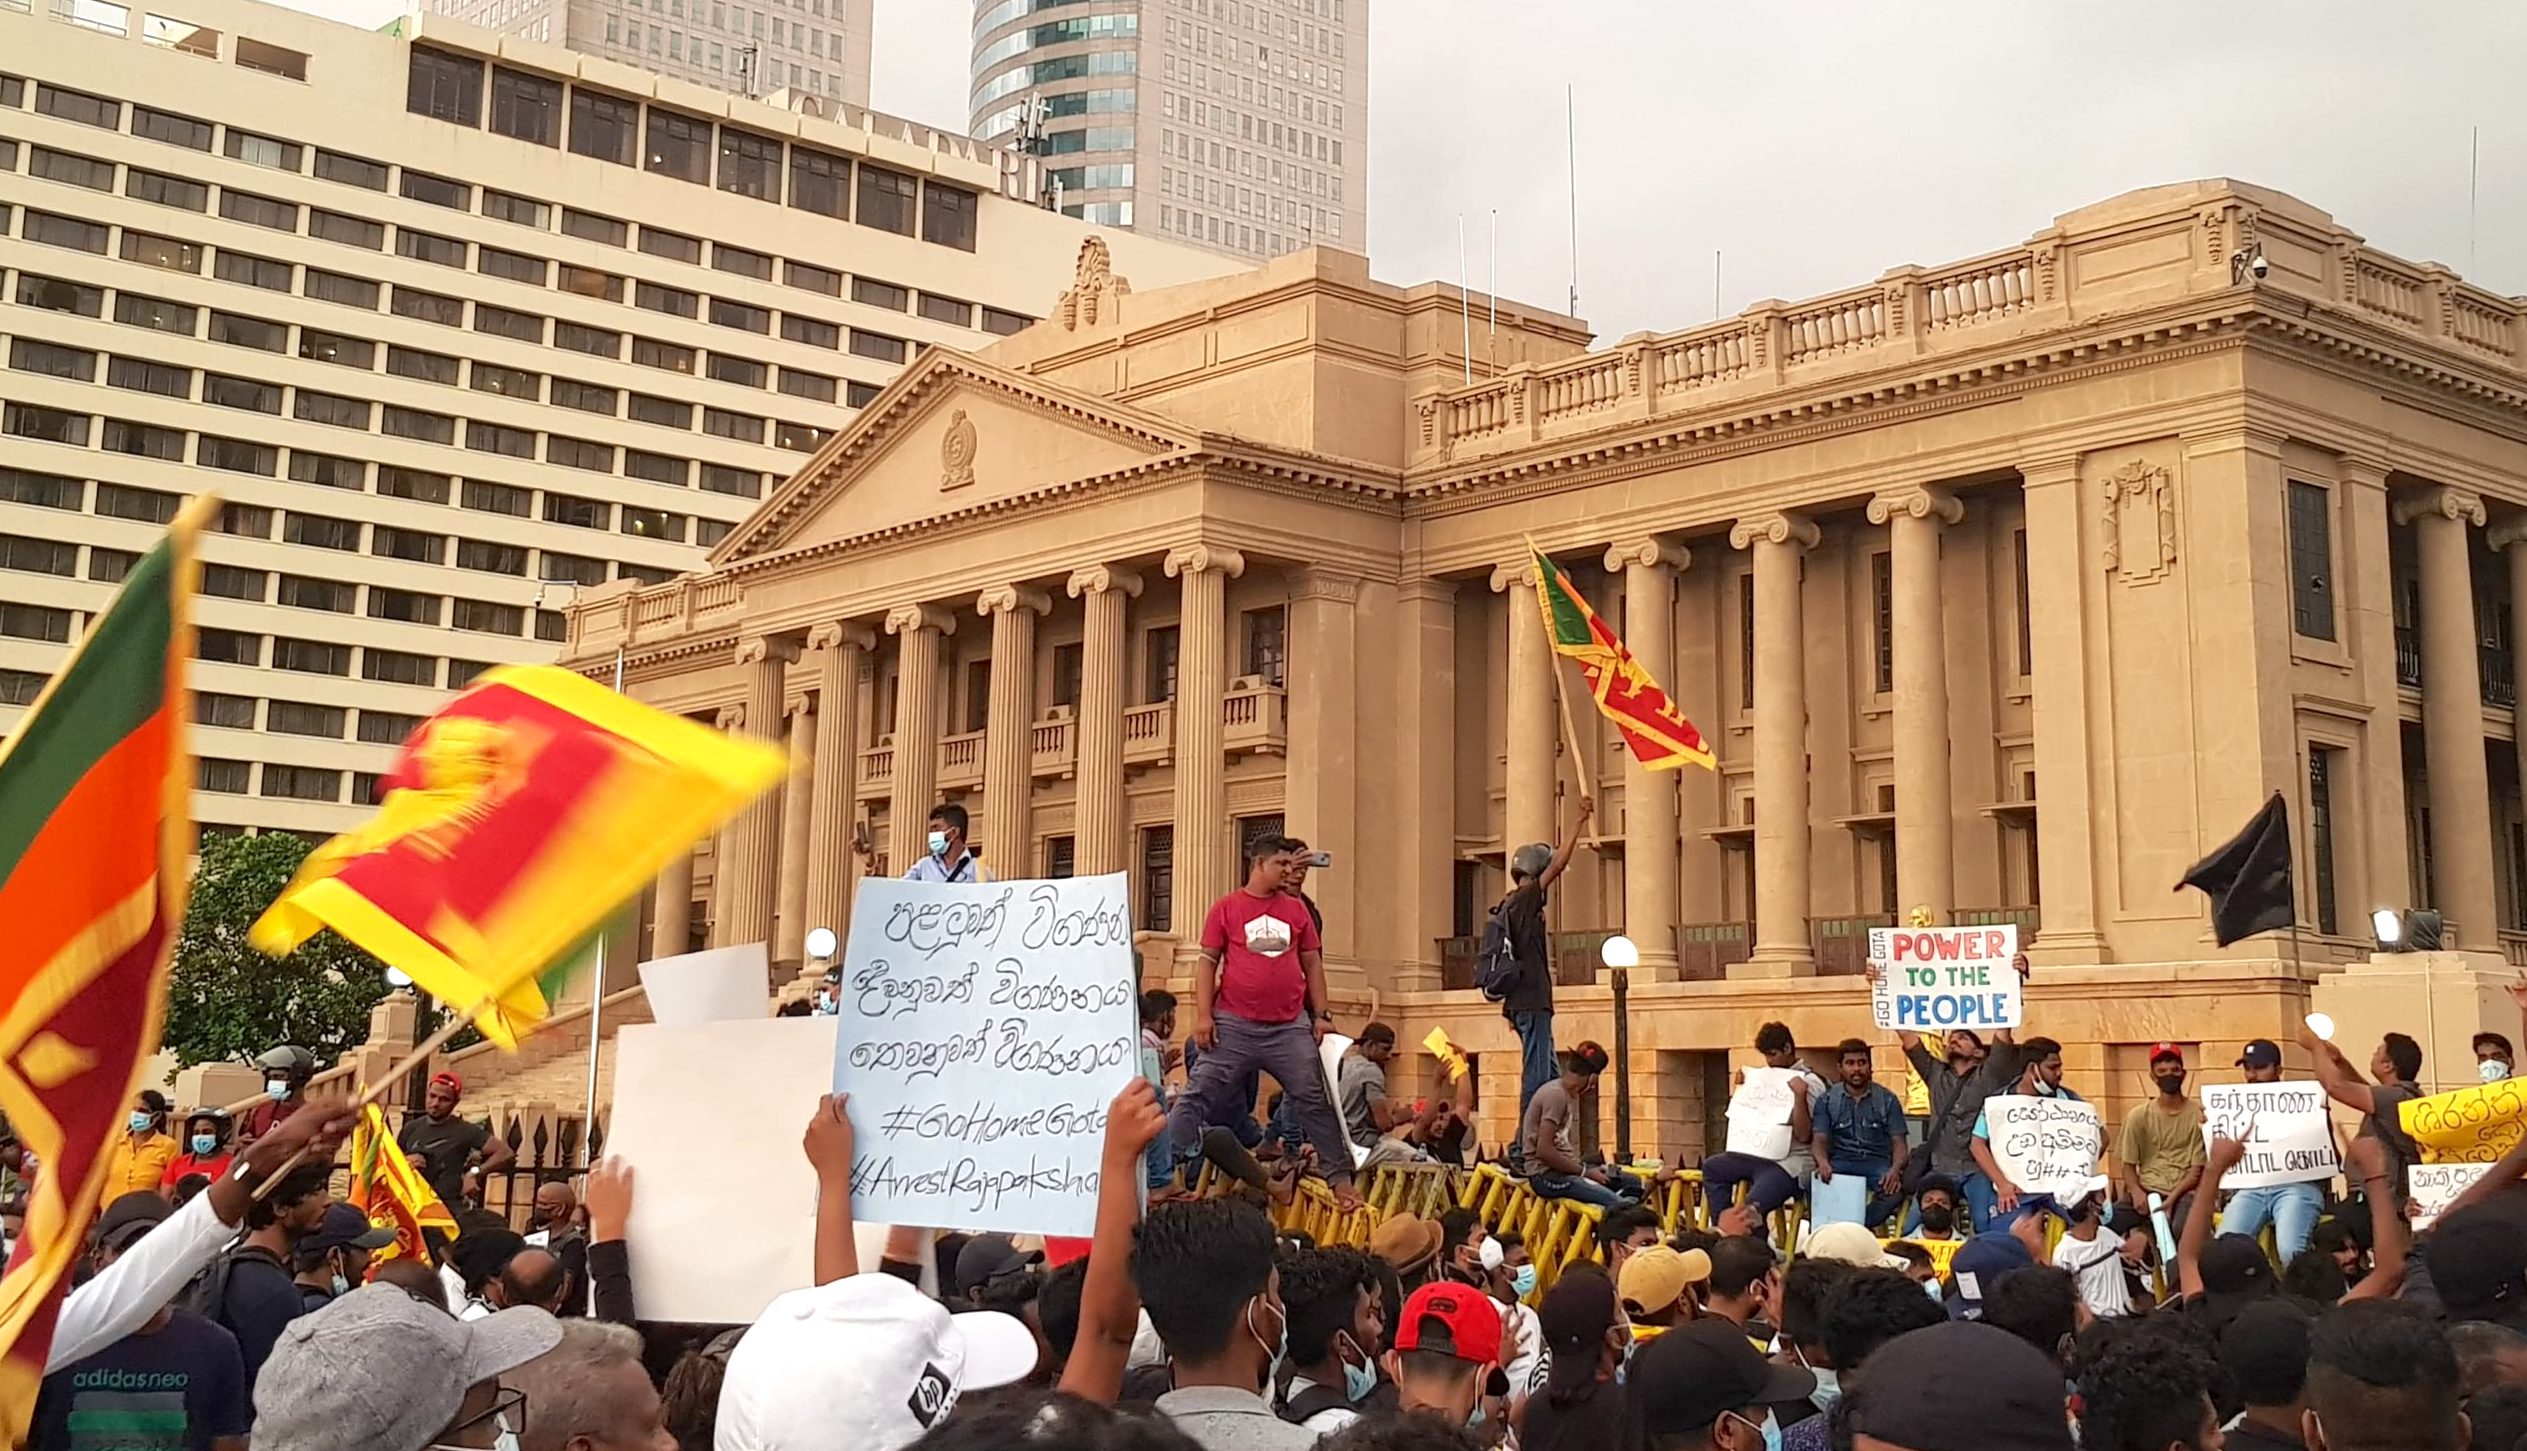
[
  {"x": 2474, "y": 179},
  {"x": 1570, "y": 160},
  {"x": 1465, "y": 305}
]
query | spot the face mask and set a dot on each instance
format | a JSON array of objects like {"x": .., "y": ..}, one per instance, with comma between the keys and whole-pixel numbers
[
  {"x": 2045, "y": 1088},
  {"x": 2491, "y": 1070},
  {"x": 341, "y": 1286},
  {"x": 1770, "y": 1428},
  {"x": 1522, "y": 1281},
  {"x": 1623, "y": 1367},
  {"x": 1357, "y": 1380},
  {"x": 1931, "y": 1288},
  {"x": 1474, "y": 1421},
  {"x": 139, "y": 1122},
  {"x": 204, "y": 1144},
  {"x": 826, "y": 1007},
  {"x": 2172, "y": 1083},
  {"x": 1938, "y": 1218},
  {"x": 1278, "y": 1346},
  {"x": 276, "y": 1089},
  {"x": 938, "y": 843},
  {"x": 1829, "y": 1388}
]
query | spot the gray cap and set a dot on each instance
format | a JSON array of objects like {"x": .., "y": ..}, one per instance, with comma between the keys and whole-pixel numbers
[{"x": 378, "y": 1370}]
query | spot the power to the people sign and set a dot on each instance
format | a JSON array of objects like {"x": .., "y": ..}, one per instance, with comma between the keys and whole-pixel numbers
[{"x": 1932, "y": 979}]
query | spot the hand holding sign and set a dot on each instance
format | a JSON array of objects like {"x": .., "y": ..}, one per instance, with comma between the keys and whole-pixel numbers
[
  {"x": 2284, "y": 1126},
  {"x": 1759, "y": 1115},
  {"x": 827, "y": 1141}
]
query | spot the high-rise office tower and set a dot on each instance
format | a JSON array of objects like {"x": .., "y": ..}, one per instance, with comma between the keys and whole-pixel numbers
[
  {"x": 753, "y": 47},
  {"x": 1236, "y": 124}
]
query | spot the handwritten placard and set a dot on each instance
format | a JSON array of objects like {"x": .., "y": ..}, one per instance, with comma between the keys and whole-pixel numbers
[
  {"x": 2046, "y": 1145},
  {"x": 2468, "y": 1125},
  {"x": 983, "y": 1031},
  {"x": 2284, "y": 1126},
  {"x": 2433, "y": 1187},
  {"x": 1932, "y": 979},
  {"x": 1759, "y": 1113}
]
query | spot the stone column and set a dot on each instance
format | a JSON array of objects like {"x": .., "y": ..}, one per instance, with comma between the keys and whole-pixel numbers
[
  {"x": 1424, "y": 688},
  {"x": 2058, "y": 578},
  {"x": 1102, "y": 832},
  {"x": 798, "y": 812},
  {"x": 2369, "y": 616},
  {"x": 1205, "y": 866},
  {"x": 1925, "y": 805},
  {"x": 730, "y": 718},
  {"x": 1652, "y": 905},
  {"x": 1782, "y": 946},
  {"x": 839, "y": 651},
  {"x": 1008, "y": 728},
  {"x": 917, "y": 630},
  {"x": 753, "y": 843},
  {"x": 2510, "y": 537},
  {"x": 2452, "y": 714},
  {"x": 1322, "y": 799},
  {"x": 1527, "y": 813},
  {"x": 671, "y": 926}
]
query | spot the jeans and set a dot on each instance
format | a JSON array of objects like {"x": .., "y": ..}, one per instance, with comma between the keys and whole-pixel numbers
[
  {"x": 1869, "y": 1172},
  {"x": 1536, "y": 1067},
  {"x": 1287, "y": 1051},
  {"x": 1620, "y": 1188},
  {"x": 2291, "y": 1209},
  {"x": 1981, "y": 1200},
  {"x": 1769, "y": 1185}
]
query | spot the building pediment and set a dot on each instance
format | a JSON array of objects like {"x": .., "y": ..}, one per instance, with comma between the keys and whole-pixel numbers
[{"x": 950, "y": 435}]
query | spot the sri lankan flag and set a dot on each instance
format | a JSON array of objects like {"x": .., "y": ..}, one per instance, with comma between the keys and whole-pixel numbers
[
  {"x": 515, "y": 822},
  {"x": 386, "y": 1188},
  {"x": 95, "y": 827},
  {"x": 1650, "y": 723}
]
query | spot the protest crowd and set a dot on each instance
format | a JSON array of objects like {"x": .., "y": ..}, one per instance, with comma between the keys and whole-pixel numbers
[{"x": 1332, "y": 1263}]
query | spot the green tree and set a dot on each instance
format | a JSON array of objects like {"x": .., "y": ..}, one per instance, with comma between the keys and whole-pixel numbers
[{"x": 229, "y": 1002}]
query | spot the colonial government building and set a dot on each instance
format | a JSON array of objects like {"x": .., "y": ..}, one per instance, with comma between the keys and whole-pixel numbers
[{"x": 2005, "y": 588}]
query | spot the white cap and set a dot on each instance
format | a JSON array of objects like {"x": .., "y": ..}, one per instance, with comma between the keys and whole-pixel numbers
[
  {"x": 866, "y": 1363},
  {"x": 1852, "y": 1244}
]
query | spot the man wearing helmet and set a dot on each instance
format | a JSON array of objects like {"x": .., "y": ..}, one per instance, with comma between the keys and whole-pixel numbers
[{"x": 286, "y": 1070}]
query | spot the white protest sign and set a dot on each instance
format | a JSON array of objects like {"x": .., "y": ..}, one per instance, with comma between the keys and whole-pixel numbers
[
  {"x": 983, "y": 1031},
  {"x": 2285, "y": 1127},
  {"x": 2433, "y": 1187},
  {"x": 2046, "y": 1145},
  {"x": 1759, "y": 1114},
  {"x": 710, "y": 986},
  {"x": 1932, "y": 979}
]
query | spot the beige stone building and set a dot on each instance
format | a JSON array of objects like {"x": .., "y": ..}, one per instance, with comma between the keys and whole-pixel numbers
[
  {"x": 2005, "y": 587},
  {"x": 1239, "y": 125},
  {"x": 457, "y": 323}
]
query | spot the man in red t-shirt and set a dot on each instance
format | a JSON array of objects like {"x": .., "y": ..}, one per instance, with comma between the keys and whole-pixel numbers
[{"x": 1259, "y": 1003}]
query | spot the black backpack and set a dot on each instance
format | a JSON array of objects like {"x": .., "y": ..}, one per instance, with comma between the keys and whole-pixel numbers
[{"x": 1497, "y": 970}]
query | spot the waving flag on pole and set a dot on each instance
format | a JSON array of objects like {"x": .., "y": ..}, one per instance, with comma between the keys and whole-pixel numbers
[
  {"x": 95, "y": 826},
  {"x": 1658, "y": 733},
  {"x": 516, "y": 821},
  {"x": 386, "y": 1188}
]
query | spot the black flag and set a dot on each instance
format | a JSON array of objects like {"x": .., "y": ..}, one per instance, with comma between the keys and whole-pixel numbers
[{"x": 2248, "y": 879}]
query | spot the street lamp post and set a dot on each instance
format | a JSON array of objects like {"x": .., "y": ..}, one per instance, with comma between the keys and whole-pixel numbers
[{"x": 1620, "y": 956}]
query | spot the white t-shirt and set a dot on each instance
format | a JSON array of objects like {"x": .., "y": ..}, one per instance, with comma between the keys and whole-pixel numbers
[
  {"x": 2097, "y": 1266},
  {"x": 1801, "y": 1160},
  {"x": 1526, "y": 1372}
]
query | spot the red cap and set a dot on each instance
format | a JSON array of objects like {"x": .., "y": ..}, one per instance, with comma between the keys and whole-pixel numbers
[
  {"x": 1451, "y": 1319},
  {"x": 1060, "y": 1250},
  {"x": 2166, "y": 1050},
  {"x": 454, "y": 1083}
]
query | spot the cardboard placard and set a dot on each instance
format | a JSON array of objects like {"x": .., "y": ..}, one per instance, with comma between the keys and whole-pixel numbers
[
  {"x": 1932, "y": 979},
  {"x": 2286, "y": 1127},
  {"x": 1843, "y": 1199},
  {"x": 715, "y": 985},
  {"x": 2046, "y": 1145},
  {"x": 2468, "y": 1125},
  {"x": 984, "y": 1029},
  {"x": 2433, "y": 1187},
  {"x": 1759, "y": 1113}
]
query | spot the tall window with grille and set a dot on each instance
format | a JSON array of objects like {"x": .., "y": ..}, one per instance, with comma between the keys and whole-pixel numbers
[
  {"x": 2324, "y": 765},
  {"x": 1746, "y": 642},
  {"x": 1158, "y": 878},
  {"x": 1159, "y": 685},
  {"x": 1061, "y": 857},
  {"x": 1882, "y": 621},
  {"x": 1267, "y": 643},
  {"x": 978, "y": 695},
  {"x": 2311, "y": 561}
]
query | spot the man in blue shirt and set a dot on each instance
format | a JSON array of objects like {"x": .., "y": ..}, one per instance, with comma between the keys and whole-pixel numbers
[
  {"x": 946, "y": 857},
  {"x": 2041, "y": 1078},
  {"x": 1859, "y": 1128}
]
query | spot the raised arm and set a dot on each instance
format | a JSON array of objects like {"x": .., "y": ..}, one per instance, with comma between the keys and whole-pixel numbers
[
  {"x": 1570, "y": 843},
  {"x": 2366, "y": 1162},
  {"x": 2335, "y": 1073},
  {"x": 828, "y": 1143},
  {"x": 1109, "y": 1308},
  {"x": 609, "y": 1199},
  {"x": 2225, "y": 1154}
]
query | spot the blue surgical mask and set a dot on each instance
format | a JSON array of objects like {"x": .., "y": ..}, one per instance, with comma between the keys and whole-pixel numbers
[
  {"x": 1522, "y": 1281},
  {"x": 1474, "y": 1421},
  {"x": 1279, "y": 1345},
  {"x": 1829, "y": 1388},
  {"x": 1930, "y": 1287},
  {"x": 826, "y": 1007},
  {"x": 276, "y": 1089},
  {"x": 938, "y": 843},
  {"x": 1623, "y": 1367},
  {"x": 2047, "y": 1089},
  {"x": 341, "y": 1286},
  {"x": 1770, "y": 1427},
  {"x": 204, "y": 1145},
  {"x": 2491, "y": 1070},
  {"x": 139, "y": 1122},
  {"x": 1357, "y": 1380}
]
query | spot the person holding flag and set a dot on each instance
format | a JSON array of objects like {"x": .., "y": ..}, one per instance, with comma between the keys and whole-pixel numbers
[{"x": 391, "y": 1192}]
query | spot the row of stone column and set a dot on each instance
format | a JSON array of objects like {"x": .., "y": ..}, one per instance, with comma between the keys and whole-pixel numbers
[
  {"x": 787, "y": 863},
  {"x": 1925, "y": 829}
]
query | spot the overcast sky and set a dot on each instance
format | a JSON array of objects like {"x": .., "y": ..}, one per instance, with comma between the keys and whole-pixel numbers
[{"x": 1815, "y": 145}]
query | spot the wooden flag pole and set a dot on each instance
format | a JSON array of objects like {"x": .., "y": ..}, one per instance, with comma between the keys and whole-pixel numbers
[
  {"x": 422, "y": 1050},
  {"x": 1570, "y": 738}
]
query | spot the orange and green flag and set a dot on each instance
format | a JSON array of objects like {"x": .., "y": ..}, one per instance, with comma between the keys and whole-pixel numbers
[
  {"x": 516, "y": 821},
  {"x": 1658, "y": 733},
  {"x": 95, "y": 829},
  {"x": 386, "y": 1188}
]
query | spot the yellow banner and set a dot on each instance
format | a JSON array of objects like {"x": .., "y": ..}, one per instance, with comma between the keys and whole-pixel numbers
[{"x": 2468, "y": 1125}]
